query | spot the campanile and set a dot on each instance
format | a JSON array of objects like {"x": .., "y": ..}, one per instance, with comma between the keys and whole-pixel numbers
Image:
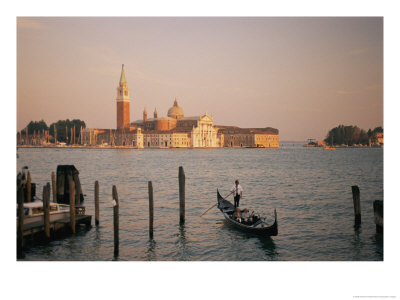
[{"x": 123, "y": 102}]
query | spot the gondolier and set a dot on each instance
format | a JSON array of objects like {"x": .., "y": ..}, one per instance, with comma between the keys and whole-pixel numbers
[{"x": 237, "y": 191}]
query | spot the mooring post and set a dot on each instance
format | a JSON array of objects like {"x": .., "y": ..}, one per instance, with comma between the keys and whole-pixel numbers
[
  {"x": 356, "y": 202},
  {"x": 46, "y": 212},
  {"x": 78, "y": 189},
  {"x": 116, "y": 220},
  {"x": 48, "y": 205},
  {"x": 54, "y": 186},
  {"x": 20, "y": 228},
  {"x": 378, "y": 215},
  {"x": 29, "y": 188},
  {"x": 181, "y": 196},
  {"x": 151, "y": 209},
  {"x": 72, "y": 204},
  {"x": 96, "y": 203}
]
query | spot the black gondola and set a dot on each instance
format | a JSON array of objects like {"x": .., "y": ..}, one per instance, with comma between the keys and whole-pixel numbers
[{"x": 257, "y": 226}]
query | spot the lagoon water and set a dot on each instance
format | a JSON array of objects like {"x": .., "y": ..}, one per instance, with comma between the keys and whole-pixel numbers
[{"x": 309, "y": 187}]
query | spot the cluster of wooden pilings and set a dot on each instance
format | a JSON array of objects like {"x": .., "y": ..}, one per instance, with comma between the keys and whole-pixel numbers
[
  {"x": 22, "y": 186},
  {"x": 377, "y": 206},
  {"x": 181, "y": 179},
  {"x": 44, "y": 229}
]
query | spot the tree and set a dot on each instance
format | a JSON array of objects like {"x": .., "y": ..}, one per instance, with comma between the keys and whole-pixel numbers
[
  {"x": 35, "y": 127},
  {"x": 63, "y": 128},
  {"x": 378, "y": 129},
  {"x": 350, "y": 135}
]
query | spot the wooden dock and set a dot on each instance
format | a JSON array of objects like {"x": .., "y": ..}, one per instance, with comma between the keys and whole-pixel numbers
[
  {"x": 59, "y": 225},
  {"x": 35, "y": 232}
]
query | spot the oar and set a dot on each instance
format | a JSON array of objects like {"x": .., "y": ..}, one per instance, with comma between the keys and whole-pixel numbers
[{"x": 215, "y": 204}]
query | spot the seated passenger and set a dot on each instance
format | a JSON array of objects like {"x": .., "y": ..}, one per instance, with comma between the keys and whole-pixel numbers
[
  {"x": 237, "y": 215},
  {"x": 246, "y": 215}
]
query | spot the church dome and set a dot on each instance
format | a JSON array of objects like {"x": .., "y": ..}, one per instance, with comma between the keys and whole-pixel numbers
[{"x": 175, "y": 111}]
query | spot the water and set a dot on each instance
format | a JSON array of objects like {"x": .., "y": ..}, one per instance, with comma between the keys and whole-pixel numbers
[{"x": 309, "y": 187}]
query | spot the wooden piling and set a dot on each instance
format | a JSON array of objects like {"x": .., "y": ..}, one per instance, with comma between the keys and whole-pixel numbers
[
  {"x": 46, "y": 211},
  {"x": 20, "y": 212},
  {"x": 356, "y": 202},
  {"x": 181, "y": 196},
  {"x": 54, "y": 186},
  {"x": 78, "y": 189},
  {"x": 48, "y": 191},
  {"x": 29, "y": 188},
  {"x": 96, "y": 203},
  {"x": 378, "y": 215},
  {"x": 151, "y": 210},
  {"x": 71, "y": 204},
  {"x": 116, "y": 220}
]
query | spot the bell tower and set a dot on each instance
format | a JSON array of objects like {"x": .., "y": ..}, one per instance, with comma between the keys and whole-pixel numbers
[
  {"x": 123, "y": 102},
  {"x": 144, "y": 115}
]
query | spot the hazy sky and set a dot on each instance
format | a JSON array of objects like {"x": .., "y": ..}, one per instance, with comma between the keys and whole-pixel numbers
[{"x": 302, "y": 76}]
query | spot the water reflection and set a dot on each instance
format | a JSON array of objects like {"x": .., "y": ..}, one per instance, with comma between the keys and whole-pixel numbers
[
  {"x": 357, "y": 242},
  {"x": 378, "y": 241},
  {"x": 268, "y": 245},
  {"x": 182, "y": 243},
  {"x": 150, "y": 253}
]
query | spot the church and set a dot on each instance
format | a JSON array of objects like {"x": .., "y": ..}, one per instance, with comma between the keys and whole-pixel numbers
[{"x": 175, "y": 130}]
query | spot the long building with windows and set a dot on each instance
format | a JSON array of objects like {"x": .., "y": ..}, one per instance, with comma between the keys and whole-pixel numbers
[{"x": 175, "y": 130}]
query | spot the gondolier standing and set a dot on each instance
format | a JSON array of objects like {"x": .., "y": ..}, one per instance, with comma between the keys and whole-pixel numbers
[{"x": 237, "y": 192}]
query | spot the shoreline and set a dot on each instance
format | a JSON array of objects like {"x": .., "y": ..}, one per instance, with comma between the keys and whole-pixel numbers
[{"x": 130, "y": 147}]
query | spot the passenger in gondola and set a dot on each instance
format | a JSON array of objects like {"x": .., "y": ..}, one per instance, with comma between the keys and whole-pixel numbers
[
  {"x": 237, "y": 216},
  {"x": 246, "y": 216},
  {"x": 237, "y": 191}
]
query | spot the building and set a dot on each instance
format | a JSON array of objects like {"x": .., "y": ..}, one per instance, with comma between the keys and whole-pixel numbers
[
  {"x": 129, "y": 137},
  {"x": 178, "y": 131},
  {"x": 123, "y": 102},
  {"x": 174, "y": 130},
  {"x": 379, "y": 138},
  {"x": 235, "y": 137}
]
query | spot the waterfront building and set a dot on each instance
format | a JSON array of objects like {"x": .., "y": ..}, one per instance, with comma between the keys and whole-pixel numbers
[
  {"x": 129, "y": 137},
  {"x": 178, "y": 131},
  {"x": 379, "y": 138},
  {"x": 236, "y": 137}
]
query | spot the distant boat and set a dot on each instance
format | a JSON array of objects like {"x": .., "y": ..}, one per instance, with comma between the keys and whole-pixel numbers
[{"x": 311, "y": 143}]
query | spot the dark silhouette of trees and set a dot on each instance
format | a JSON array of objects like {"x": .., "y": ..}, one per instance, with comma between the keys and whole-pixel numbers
[
  {"x": 35, "y": 127},
  {"x": 63, "y": 129},
  {"x": 350, "y": 135}
]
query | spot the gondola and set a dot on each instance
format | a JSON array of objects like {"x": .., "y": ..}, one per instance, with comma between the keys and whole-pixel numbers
[{"x": 257, "y": 226}]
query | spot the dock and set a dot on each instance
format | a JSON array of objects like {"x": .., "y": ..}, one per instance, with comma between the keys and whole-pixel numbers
[{"x": 58, "y": 226}]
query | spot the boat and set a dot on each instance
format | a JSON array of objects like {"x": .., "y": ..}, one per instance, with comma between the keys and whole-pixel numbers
[
  {"x": 329, "y": 148},
  {"x": 256, "y": 226},
  {"x": 33, "y": 211},
  {"x": 311, "y": 143}
]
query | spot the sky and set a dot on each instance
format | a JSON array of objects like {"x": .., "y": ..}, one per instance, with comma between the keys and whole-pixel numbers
[{"x": 301, "y": 75}]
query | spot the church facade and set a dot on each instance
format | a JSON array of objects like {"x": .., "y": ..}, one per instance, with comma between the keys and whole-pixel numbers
[{"x": 175, "y": 130}]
